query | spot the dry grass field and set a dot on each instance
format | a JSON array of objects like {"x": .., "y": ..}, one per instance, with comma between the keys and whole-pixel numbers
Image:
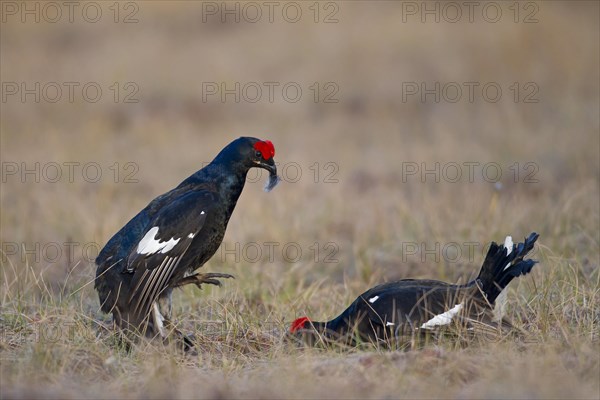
[{"x": 385, "y": 176}]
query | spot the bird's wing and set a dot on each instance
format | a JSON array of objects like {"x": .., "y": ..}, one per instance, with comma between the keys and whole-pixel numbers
[
  {"x": 168, "y": 237},
  {"x": 412, "y": 307}
]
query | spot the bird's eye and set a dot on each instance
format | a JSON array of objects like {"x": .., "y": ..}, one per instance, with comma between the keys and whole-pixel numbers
[{"x": 258, "y": 154}]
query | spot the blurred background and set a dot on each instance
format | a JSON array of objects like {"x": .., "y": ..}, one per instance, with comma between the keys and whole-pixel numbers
[
  {"x": 408, "y": 136},
  {"x": 393, "y": 122}
]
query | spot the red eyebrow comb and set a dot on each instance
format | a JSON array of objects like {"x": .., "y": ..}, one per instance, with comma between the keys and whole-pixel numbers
[
  {"x": 266, "y": 148},
  {"x": 298, "y": 324}
]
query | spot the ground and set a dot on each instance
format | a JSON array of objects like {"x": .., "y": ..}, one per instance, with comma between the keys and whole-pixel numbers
[{"x": 392, "y": 168}]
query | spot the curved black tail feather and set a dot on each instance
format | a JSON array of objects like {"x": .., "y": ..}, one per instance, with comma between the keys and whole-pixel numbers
[{"x": 502, "y": 264}]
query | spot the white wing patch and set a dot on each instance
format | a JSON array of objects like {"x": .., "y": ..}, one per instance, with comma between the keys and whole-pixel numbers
[
  {"x": 150, "y": 245},
  {"x": 373, "y": 299},
  {"x": 444, "y": 318},
  {"x": 191, "y": 235},
  {"x": 389, "y": 324}
]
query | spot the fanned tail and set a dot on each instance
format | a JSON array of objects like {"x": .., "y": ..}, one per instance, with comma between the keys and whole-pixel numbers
[{"x": 503, "y": 263}]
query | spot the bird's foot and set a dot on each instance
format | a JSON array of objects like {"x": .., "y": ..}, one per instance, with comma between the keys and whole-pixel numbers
[
  {"x": 211, "y": 278},
  {"x": 187, "y": 342},
  {"x": 182, "y": 341}
]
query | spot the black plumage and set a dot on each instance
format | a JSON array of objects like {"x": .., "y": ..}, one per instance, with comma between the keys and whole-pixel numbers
[
  {"x": 161, "y": 247},
  {"x": 410, "y": 306}
]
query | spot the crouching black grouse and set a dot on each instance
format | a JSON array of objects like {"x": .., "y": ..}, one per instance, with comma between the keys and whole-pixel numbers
[
  {"x": 162, "y": 246},
  {"x": 411, "y": 306}
]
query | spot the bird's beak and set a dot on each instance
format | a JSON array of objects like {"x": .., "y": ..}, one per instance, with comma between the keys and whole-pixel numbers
[{"x": 270, "y": 166}]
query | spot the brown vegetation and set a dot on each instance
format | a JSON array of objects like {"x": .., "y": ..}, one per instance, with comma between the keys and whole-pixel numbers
[{"x": 54, "y": 341}]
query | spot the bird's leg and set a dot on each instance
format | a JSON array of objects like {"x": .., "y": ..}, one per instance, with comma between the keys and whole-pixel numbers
[
  {"x": 198, "y": 279},
  {"x": 158, "y": 321},
  {"x": 165, "y": 306},
  {"x": 162, "y": 307}
]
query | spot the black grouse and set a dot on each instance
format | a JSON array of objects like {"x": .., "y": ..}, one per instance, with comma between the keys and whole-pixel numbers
[
  {"x": 161, "y": 247},
  {"x": 404, "y": 308}
]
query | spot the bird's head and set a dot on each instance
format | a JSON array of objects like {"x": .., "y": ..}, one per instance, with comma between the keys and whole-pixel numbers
[
  {"x": 303, "y": 331},
  {"x": 300, "y": 324},
  {"x": 249, "y": 152}
]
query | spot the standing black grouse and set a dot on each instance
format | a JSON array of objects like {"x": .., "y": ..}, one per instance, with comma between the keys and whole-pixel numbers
[
  {"x": 162, "y": 246},
  {"x": 410, "y": 306}
]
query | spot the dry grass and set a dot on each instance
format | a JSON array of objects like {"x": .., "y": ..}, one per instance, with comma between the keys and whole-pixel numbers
[{"x": 55, "y": 343}]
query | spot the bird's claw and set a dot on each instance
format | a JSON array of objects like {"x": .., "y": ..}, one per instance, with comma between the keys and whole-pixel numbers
[{"x": 210, "y": 278}]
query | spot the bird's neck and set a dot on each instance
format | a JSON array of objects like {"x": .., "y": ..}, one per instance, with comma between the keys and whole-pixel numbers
[
  {"x": 229, "y": 181},
  {"x": 336, "y": 326},
  {"x": 226, "y": 179}
]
